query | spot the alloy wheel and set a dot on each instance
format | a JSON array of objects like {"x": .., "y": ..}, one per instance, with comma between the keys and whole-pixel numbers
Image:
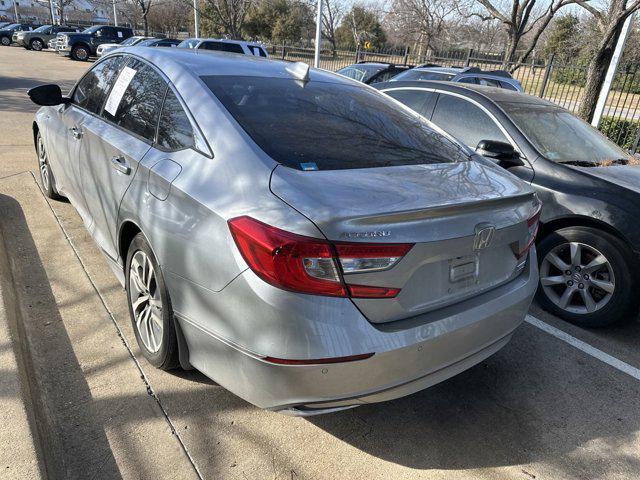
[
  {"x": 145, "y": 301},
  {"x": 36, "y": 45},
  {"x": 43, "y": 163},
  {"x": 577, "y": 278},
  {"x": 6, "y": 41},
  {"x": 82, "y": 54}
]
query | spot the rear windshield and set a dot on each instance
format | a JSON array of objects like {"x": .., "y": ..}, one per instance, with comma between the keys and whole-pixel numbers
[
  {"x": 361, "y": 73},
  {"x": 422, "y": 75},
  {"x": 330, "y": 126}
]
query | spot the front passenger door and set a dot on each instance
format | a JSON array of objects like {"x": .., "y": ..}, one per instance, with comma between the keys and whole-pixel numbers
[{"x": 117, "y": 142}]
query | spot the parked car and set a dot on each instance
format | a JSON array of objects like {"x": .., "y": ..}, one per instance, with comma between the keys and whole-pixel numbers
[
  {"x": 589, "y": 243},
  {"x": 160, "y": 42},
  {"x": 39, "y": 38},
  {"x": 275, "y": 227},
  {"x": 6, "y": 33},
  {"x": 373, "y": 72},
  {"x": 224, "y": 45},
  {"x": 472, "y": 75},
  {"x": 5, "y": 24},
  {"x": 81, "y": 46},
  {"x": 129, "y": 42}
]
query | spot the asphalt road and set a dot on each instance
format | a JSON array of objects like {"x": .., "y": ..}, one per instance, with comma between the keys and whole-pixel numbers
[{"x": 558, "y": 403}]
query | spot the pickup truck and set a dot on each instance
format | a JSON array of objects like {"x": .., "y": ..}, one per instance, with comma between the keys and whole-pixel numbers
[
  {"x": 38, "y": 39},
  {"x": 81, "y": 46}
]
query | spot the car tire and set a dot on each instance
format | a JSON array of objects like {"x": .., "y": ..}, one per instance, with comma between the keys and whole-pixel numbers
[
  {"x": 80, "y": 53},
  {"x": 150, "y": 306},
  {"x": 586, "y": 277},
  {"x": 36, "y": 44},
  {"x": 5, "y": 41},
  {"x": 47, "y": 180}
]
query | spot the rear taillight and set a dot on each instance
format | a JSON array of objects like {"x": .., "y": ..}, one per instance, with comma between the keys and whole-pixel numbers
[
  {"x": 311, "y": 265},
  {"x": 532, "y": 225}
]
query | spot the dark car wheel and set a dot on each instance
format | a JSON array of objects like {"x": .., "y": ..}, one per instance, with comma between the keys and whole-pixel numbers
[
  {"x": 36, "y": 44},
  {"x": 46, "y": 175},
  {"x": 586, "y": 277},
  {"x": 6, "y": 41},
  {"x": 150, "y": 306},
  {"x": 80, "y": 53}
]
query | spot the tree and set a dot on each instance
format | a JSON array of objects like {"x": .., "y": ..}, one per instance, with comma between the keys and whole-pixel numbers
[
  {"x": 609, "y": 21},
  {"x": 361, "y": 24},
  {"x": 144, "y": 6},
  {"x": 225, "y": 17},
  {"x": 565, "y": 39},
  {"x": 424, "y": 19},
  {"x": 332, "y": 14},
  {"x": 520, "y": 19},
  {"x": 280, "y": 20}
]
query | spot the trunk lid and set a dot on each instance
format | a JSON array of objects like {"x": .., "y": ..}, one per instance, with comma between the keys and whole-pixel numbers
[{"x": 439, "y": 207}]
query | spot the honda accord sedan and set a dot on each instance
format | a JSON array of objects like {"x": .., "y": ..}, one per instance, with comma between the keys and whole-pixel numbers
[
  {"x": 589, "y": 242},
  {"x": 303, "y": 240}
]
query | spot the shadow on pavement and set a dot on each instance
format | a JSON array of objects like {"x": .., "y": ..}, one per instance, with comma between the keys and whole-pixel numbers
[
  {"x": 72, "y": 442},
  {"x": 536, "y": 401}
]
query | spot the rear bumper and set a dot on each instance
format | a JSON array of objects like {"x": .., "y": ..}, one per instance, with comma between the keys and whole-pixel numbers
[{"x": 410, "y": 355}]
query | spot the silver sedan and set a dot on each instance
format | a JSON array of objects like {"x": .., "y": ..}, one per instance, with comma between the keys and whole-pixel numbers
[{"x": 304, "y": 240}]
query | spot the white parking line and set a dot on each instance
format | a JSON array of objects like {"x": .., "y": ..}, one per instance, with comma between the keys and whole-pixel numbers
[{"x": 585, "y": 347}]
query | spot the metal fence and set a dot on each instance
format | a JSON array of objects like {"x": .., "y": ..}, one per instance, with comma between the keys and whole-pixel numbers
[{"x": 559, "y": 83}]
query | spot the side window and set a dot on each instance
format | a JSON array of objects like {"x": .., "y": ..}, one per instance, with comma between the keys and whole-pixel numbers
[
  {"x": 222, "y": 47},
  {"x": 465, "y": 121},
  {"x": 174, "y": 129},
  {"x": 414, "y": 99},
  {"x": 489, "y": 82},
  {"x": 508, "y": 86},
  {"x": 94, "y": 86},
  {"x": 473, "y": 80},
  {"x": 135, "y": 100}
]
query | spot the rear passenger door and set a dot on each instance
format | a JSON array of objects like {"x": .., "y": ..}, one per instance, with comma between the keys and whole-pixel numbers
[{"x": 117, "y": 142}]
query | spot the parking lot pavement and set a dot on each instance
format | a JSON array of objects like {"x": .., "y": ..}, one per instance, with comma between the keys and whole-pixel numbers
[{"x": 540, "y": 408}]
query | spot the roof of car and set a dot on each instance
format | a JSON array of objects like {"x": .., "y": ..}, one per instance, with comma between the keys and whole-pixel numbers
[
  {"x": 497, "y": 95},
  {"x": 207, "y": 62}
]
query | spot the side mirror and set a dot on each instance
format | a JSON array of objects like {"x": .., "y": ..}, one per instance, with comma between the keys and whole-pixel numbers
[
  {"x": 503, "y": 153},
  {"x": 47, "y": 95}
]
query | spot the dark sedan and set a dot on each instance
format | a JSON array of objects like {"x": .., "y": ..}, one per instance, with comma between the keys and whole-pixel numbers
[{"x": 589, "y": 244}]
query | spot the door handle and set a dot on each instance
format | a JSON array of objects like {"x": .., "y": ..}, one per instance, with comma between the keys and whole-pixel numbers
[
  {"x": 76, "y": 132},
  {"x": 121, "y": 165}
]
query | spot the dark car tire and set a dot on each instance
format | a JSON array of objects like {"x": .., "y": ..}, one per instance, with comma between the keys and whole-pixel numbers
[
  {"x": 620, "y": 302},
  {"x": 36, "y": 44},
  {"x": 165, "y": 355},
  {"x": 80, "y": 53},
  {"x": 5, "y": 41},
  {"x": 47, "y": 180}
]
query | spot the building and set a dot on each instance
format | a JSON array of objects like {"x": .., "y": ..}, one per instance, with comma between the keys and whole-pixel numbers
[{"x": 73, "y": 11}]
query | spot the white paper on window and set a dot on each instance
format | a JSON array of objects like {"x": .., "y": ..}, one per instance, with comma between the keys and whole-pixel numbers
[{"x": 117, "y": 92}]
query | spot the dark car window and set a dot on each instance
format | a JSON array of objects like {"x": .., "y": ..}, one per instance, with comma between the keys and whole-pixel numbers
[
  {"x": 257, "y": 51},
  {"x": 222, "y": 47},
  {"x": 472, "y": 80},
  {"x": 465, "y": 121},
  {"x": 489, "y": 82},
  {"x": 174, "y": 128},
  {"x": 414, "y": 99},
  {"x": 329, "y": 126},
  {"x": 94, "y": 86},
  {"x": 138, "y": 107},
  {"x": 508, "y": 86}
]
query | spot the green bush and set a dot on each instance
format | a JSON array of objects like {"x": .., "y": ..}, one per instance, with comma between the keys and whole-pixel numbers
[
  {"x": 621, "y": 131},
  {"x": 623, "y": 82}
]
